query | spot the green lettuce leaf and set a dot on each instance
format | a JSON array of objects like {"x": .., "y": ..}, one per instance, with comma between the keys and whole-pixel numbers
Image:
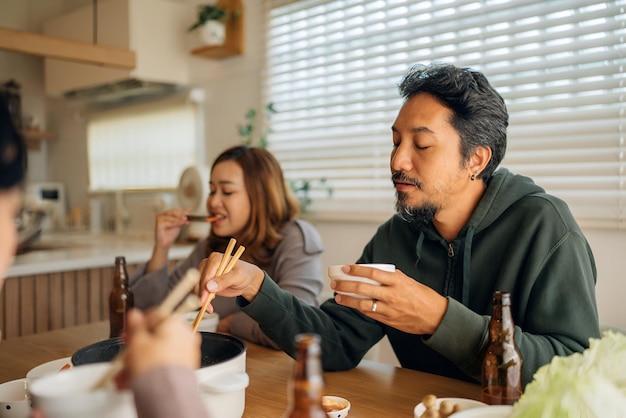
[{"x": 582, "y": 385}]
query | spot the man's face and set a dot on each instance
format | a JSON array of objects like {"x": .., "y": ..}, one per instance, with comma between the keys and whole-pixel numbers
[{"x": 426, "y": 164}]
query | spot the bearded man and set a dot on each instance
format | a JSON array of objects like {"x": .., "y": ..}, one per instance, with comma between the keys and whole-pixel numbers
[{"x": 462, "y": 231}]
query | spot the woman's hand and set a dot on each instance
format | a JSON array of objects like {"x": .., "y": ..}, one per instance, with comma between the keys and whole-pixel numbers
[
  {"x": 166, "y": 230},
  {"x": 223, "y": 325},
  {"x": 168, "y": 225}
]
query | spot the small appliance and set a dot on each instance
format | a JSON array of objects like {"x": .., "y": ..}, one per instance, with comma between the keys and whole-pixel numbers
[{"x": 49, "y": 197}]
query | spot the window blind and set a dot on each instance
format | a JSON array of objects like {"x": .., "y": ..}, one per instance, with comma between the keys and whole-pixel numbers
[
  {"x": 141, "y": 147},
  {"x": 333, "y": 68}
]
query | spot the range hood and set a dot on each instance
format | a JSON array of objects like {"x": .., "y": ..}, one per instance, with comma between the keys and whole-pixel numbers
[
  {"x": 156, "y": 30},
  {"x": 126, "y": 91}
]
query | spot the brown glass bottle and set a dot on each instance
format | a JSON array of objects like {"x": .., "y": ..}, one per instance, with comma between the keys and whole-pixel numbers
[
  {"x": 307, "y": 382},
  {"x": 120, "y": 300},
  {"x": 502, "y": 364}
]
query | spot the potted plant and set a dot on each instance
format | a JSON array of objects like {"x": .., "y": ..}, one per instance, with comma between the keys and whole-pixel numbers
[
  {"x": 302, "y": 187},
  {"x": 211, "y": 21},
  {"x": 249, "y": 132}
]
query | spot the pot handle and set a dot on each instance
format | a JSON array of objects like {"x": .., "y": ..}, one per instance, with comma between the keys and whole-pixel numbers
[{"x": 225, "y": 382}]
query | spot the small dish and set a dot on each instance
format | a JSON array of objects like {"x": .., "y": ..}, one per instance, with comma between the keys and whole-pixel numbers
[
  {"x": 493, "y": 411},
  {"x": 208, "y": 323},
  {"x": 464, "y": 403},
  {"x": 336, "y": 406},
  {"x": 50, "y": 367},
  {"x": 15, "y": 399}
]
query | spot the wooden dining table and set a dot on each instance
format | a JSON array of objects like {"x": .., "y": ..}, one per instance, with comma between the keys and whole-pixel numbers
[{"x": 374, "y": 389}]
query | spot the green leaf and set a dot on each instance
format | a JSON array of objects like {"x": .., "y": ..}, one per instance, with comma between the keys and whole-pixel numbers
[{"x": 251, "y": 114}]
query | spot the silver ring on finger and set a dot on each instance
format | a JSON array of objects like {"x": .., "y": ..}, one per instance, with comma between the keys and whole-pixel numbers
[{"x": 374, "y": 305}]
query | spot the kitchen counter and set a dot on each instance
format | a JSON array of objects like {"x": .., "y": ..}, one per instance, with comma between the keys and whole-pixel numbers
[
  {"x": 76, "y": 250},
  {"x": 66, "y": 277}
]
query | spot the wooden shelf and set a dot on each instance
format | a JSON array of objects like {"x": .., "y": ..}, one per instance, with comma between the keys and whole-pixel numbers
[
  {"x": 235, "y": 39},
  {"x": 64, "y": 49},
  {"x": 33, "y": 138}
]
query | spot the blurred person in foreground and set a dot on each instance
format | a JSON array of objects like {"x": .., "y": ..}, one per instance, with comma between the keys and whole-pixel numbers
[
  {"x": 12, "y": 173},
  {"x": 161, "y": 360},
  {"x": 462, "y": 230},
  {"x": 252, "y": 203}
]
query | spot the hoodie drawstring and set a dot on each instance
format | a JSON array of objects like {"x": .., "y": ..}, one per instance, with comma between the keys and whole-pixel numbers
[
  {"x": 467, "y": 256},
  {"x": 418, "y": 248}
]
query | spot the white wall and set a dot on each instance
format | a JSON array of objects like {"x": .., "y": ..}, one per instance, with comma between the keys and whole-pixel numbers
[
  {"x": 609, "y": 250},
  {"x": 232, "y": 86}
]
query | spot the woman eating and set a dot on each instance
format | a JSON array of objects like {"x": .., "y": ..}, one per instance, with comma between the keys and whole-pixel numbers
[{"x": 248, "y": 201}]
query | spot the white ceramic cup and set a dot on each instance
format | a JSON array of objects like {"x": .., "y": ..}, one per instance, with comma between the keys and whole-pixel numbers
[
  {"x": 15, "y": 399},
  {"x": 335, "y": 272},
  {"x": 207, "y": 324}
]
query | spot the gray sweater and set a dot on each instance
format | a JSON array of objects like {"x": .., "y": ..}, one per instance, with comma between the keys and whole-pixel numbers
[{"x": 296, "y": 267}]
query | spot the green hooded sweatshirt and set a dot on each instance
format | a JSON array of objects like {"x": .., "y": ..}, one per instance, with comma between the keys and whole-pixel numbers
[{"x": 519, "y": 240}]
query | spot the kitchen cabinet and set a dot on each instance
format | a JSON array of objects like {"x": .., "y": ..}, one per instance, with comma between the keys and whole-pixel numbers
[
  {"x": 134, "y": 25},
  {"x": 42, "y": 302},
  {"x": 64, "y": 49},
  {"x": 66, "y": 277}
]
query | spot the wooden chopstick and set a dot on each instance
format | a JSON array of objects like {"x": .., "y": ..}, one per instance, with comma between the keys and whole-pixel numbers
[
  {"x": 220, "y": 270},
  {"x": 201, "y": 218},
  {"x": 167, "y": 307},
  {"x": 225, "y": 266}
]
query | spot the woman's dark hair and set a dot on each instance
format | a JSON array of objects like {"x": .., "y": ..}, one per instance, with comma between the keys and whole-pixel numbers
[
  {"x": 479, "y": 113},
  {"x": 271, "y": 203},
  {"x": 12, "y": 150}
]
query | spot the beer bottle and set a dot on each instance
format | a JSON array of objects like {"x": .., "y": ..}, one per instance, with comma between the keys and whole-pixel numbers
[
  {"x": 307, "y": 382},
  {"x": 120, "y": 300},
  {"x": 502, "y": 364}
]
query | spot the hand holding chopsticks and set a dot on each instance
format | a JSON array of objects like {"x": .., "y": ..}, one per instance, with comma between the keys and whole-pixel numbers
[{"x": 226, "y": 264}]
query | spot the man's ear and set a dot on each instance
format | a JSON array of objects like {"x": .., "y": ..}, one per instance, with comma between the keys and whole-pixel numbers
[{"x": 479, "y": 159}]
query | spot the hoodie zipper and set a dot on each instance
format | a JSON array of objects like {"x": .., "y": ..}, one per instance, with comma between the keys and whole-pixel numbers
[{"x": 450, "y": 250}]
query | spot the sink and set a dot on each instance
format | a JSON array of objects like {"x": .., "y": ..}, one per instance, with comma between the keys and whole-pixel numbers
[{"x": 29, "y": 227}]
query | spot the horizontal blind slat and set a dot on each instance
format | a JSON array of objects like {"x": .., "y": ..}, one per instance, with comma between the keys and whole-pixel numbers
[{"x": 333, "y": 67}]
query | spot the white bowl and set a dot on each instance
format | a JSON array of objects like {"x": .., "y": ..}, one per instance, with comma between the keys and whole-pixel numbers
[
  {"x": 14, "y": 399},
  {"x": 336, "y": 406},
  {"x": 69, "y": 395},
  {"x": 493, "y": 411},
  {"x": 335, "y": 273},
  {"x": 50, "y": 367},
  {"x": 464, "y": 403},
  {"x": 207, "y": 324}
]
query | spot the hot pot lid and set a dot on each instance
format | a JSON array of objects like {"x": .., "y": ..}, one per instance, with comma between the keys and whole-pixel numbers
[{"x": 216, "y": 348}]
